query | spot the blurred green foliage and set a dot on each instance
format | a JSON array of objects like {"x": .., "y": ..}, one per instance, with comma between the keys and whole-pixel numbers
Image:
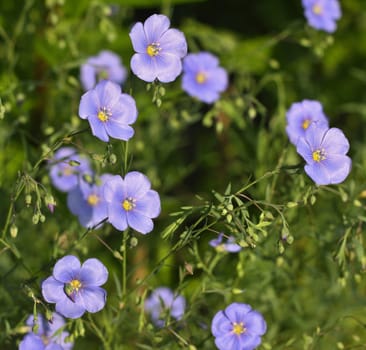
[{"x": 223, "y": 167}]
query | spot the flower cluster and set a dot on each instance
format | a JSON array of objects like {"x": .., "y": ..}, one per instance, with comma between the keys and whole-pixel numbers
[
  {"x": 75, "y": 288},
  {"x": 228, "y": 246},
  {"x": 48, "y": 335},
  {"x": 128, "y": 202},
  {"x": 238, "y": 327},
  {"x": 322, "y": 14},
  {"x": 324, "y": 149},
  {"x": 163, "y": 303}
]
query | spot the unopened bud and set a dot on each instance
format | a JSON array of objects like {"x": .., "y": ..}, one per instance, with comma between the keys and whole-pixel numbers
[
  {"x": 13, "y": 231},
  {"x": 28, "y": 199}
]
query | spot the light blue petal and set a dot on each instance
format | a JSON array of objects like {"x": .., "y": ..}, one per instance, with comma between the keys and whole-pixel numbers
[
  {"x": 138, "y": 38},
  {"x": 68, "y": 308},
  {"x": 139, "y": 222},
  {"x": 66, "y": 268},
  {"x": 52, "y": 290},
  {"x": 155, "y": 26},
  {"x": 93, "y": 273},
  {"x": 93, "y": 299}
]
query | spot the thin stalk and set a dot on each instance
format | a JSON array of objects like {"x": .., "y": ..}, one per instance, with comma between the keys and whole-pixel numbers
[{"x": 124, "y": 263}]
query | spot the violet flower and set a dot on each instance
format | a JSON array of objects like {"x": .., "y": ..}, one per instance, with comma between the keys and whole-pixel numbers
[
  {"x": 131, "y": 202},
  {"x": 108, "y": 111},
  {"x": 229, "y": 246},
  {"x": 203, "y": 78},
  {"x": 75, "y": 288},
  {"x": 87, "y": 202},
  {"x": 322, "y": 14},
  {"x": 301, "y": 115},
  {"x": 324, "y": 151},
  {"x": 105, "y": 66},
  {"x": 49, "y": 335},
  {"x": 238, "y": 327},
  {"x": 163, "y": 303},
  {"x": 67, "y": 167},
  {"x": 159, "y": 50}
]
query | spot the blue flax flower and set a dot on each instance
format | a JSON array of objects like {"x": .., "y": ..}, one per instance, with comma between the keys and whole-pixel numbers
[
  {"x": 322, "y": 14},
  {"x": 49, "y": 335},
  {"x": 202, "y": 76},
  {"x": 105, "y": 66},
  {"x": 163, "y": 303},
  {"x": 159, "y": 50},
  {"x": 131, "y": 202},
  {"x": 75, "y": 288},
  {"x": 87, "y": 202},
  {"x": 109, "y": 111},
  {"x": 67, "y": 167},
  {"x": 324, "y": 151},
  {"x": 238, "y": 327},
  {"x": 229, "y": 246},
  {"x": 301, "y": 115}
]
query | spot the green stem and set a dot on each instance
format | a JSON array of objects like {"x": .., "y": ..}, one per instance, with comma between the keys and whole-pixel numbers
[
  {"x": 125, "y": 157},
  {"x": 19, "y": 188},
  {"x": 124, "y": 263}
]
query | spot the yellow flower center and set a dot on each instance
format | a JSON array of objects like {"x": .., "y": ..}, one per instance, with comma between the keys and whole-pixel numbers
[
  {"x": 317, "y": 9},
  {"x": 93, "y": 199},
  {"x": 75, "y": 284},
  {"x": 306, "y": 124},
  {"x": 153, "y": 49},
  {"x": 103, "y": 74},
  {"x": 72, "y": 288},
  {"x": 238, "y": 328},
  {"x": 67, "y": 171},
  {"x": 128, "y": 204},
  {"x": 201, "y": 77},
  {"x": 220, "y": 248},
  {"x": 319, "y": 155},
  {"x": 103, "y": 115}
]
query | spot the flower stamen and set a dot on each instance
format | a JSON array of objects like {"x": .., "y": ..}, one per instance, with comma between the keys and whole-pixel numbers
[
  {"x": 306, "y": 123},
  {"x": 129, "y": 203},
  {"x": 317, "y": 9},
  {"x": 319, "y": 155},
  {"x": 201, "y": 77},
  {"x": 153, "y": 49},
  {"x": 72, "y": 288},
  {"x": 238, "y": 328},
  {"x": 104, "y": 114},
  {"x": 93, "y": 199}
]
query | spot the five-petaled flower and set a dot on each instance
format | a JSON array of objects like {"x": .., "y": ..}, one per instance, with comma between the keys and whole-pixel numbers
[
  {"x": 75, "y": 288},
  {"x": 86, "y": 201},
  {"x": 238, "y": 327},
  {"x": 67, "y": 167},
  {"x": 105, "y": 66},
  {"x": 109, "y": 111},
  {"x": 131, "y": 202},
  {"x": 322, "y": 14},
  {"x": 159, "y": 50},
  {"x": 48, "y": 335},
  {"x": 203, "y": 78},
  {"x": 228, "y": 246},
  {"x": 301, "y": 115},
  {"x": 324, "y": 151},
  {"x": 163, "y": 304}
]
